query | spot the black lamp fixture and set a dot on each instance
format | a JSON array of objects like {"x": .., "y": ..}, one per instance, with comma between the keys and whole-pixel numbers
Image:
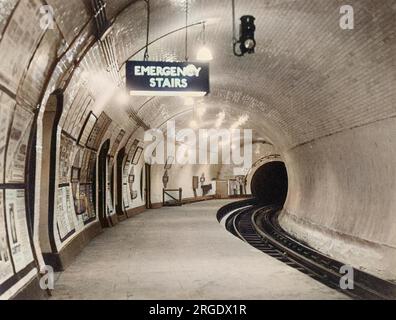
[
  {"x": 246, "y": 38},
  {"x": 246, "y": 42}
]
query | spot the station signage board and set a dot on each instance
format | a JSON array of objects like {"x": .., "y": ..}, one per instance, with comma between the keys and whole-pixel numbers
[{"x": 152, "y": 78}]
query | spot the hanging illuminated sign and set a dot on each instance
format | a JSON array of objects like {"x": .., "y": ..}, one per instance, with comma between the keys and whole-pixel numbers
[{"x": 150, "y": 78}]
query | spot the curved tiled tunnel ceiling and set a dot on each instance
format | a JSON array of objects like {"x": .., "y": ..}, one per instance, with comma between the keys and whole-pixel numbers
[
  {"x": 297, "y": 91},
  {"x": 297, "y": 87},
  {"x": 325, "y": 97}
]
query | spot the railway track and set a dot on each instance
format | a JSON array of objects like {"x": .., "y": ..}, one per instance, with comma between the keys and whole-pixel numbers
[{"x": 258, "y": 226}]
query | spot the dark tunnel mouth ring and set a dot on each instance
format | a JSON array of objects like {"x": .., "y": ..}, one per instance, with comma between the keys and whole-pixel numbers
[{"x": 270, "y": 183}]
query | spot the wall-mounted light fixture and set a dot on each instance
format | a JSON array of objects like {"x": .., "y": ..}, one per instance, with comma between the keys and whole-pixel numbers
[{"x": 246, "y": 43}]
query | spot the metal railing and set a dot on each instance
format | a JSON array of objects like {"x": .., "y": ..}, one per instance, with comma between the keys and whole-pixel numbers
[{"x": 174, "y": 200}]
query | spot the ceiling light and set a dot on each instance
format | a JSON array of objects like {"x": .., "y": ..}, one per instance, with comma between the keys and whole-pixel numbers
[
  {"x": 249, "y": 44},
  {"x": 194, "y": 124},
  {"x": 246, "y": 41},
  {"x": 204, "y": 54}
]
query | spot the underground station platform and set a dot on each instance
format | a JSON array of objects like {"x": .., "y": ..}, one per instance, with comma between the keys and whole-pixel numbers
[
  {"x": 195, "y": 157},
  {"x": 181, "y": 253}
]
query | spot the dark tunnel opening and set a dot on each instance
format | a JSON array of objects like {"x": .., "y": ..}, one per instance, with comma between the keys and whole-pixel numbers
[{"x": 270, "y": 184}]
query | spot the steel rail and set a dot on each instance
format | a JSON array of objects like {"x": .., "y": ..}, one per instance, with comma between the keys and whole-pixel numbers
[{"x": 259, "y": 226}]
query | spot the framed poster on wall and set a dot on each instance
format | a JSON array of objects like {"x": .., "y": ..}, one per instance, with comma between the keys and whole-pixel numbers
[
  {"x": 85, "y": 165},
  {"x": 6, "y": 271},
  {"x": 17, "y": 145},
  {"x": 90, "y": 214},
  {"x": 65, "y": 159},
  {"x": 137, "y": 155},
  {"x": 77, "y": 113},
  {"x": 125, "y": 196},
  {"x": 131, "y": 149},
  {"x": 98, "y": 131},
  {"x": 91, "y": 167},
  {"x": 6, "y": 110},
  {"x": 64, "y": 214},
  {"x": 87, "y": 129},
  {"x": 18, "y": 42},
  {"x": 17, "y": 229},
  {"x": 75, "y": 176},
  {"x": 109, "y": 202},
  {"x": 80, "y": 113},
  {"x": 116, "y": 143}
]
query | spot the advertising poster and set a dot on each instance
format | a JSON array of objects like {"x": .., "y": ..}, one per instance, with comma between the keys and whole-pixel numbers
[
  {"x": 88, "y": 166},
  {"x": 125, "y": 195},
  {"x": 64, "y": 213},
  {"x": 70, "y": 110},
  {"x": 90, "y": 123},
  {"x": 125, "y": 187},
  {"x": 131, "y": 181},
  {"x": 109, "y": 201},
  {"x": 6, "y": 10},
  {"x": 125, "y": 172},
  {"x": 91, "y": 167},
  {"x": 84, "y": 166},
  {"x": 128, "y": 145},
  {"x": 17, "y": 229},
  {"x": 86, "y": 193},
  {"x": 76, "y": 195},
  {"x": 98, "y": 131},
  {"x": 91, "y": 207},
  {"x": 109, "y": 192},
  {"x": 77, "y": 113},
  {"x": 131, "y": 151},
  {"x": 65, "y": 159},
  {"x": 5, "y": 263},
  {"x": 116, "y": 143},
  {"x": 137, "y": 156},
  {"x": 6, "y": 110},
  {"x": 79, "y": 116},
  {"x": 17, "y": 145},
  {"x": 19, "y": 42}
]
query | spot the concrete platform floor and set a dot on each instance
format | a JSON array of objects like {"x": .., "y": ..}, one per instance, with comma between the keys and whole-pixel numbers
[{"x": 181, "y": 253}]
